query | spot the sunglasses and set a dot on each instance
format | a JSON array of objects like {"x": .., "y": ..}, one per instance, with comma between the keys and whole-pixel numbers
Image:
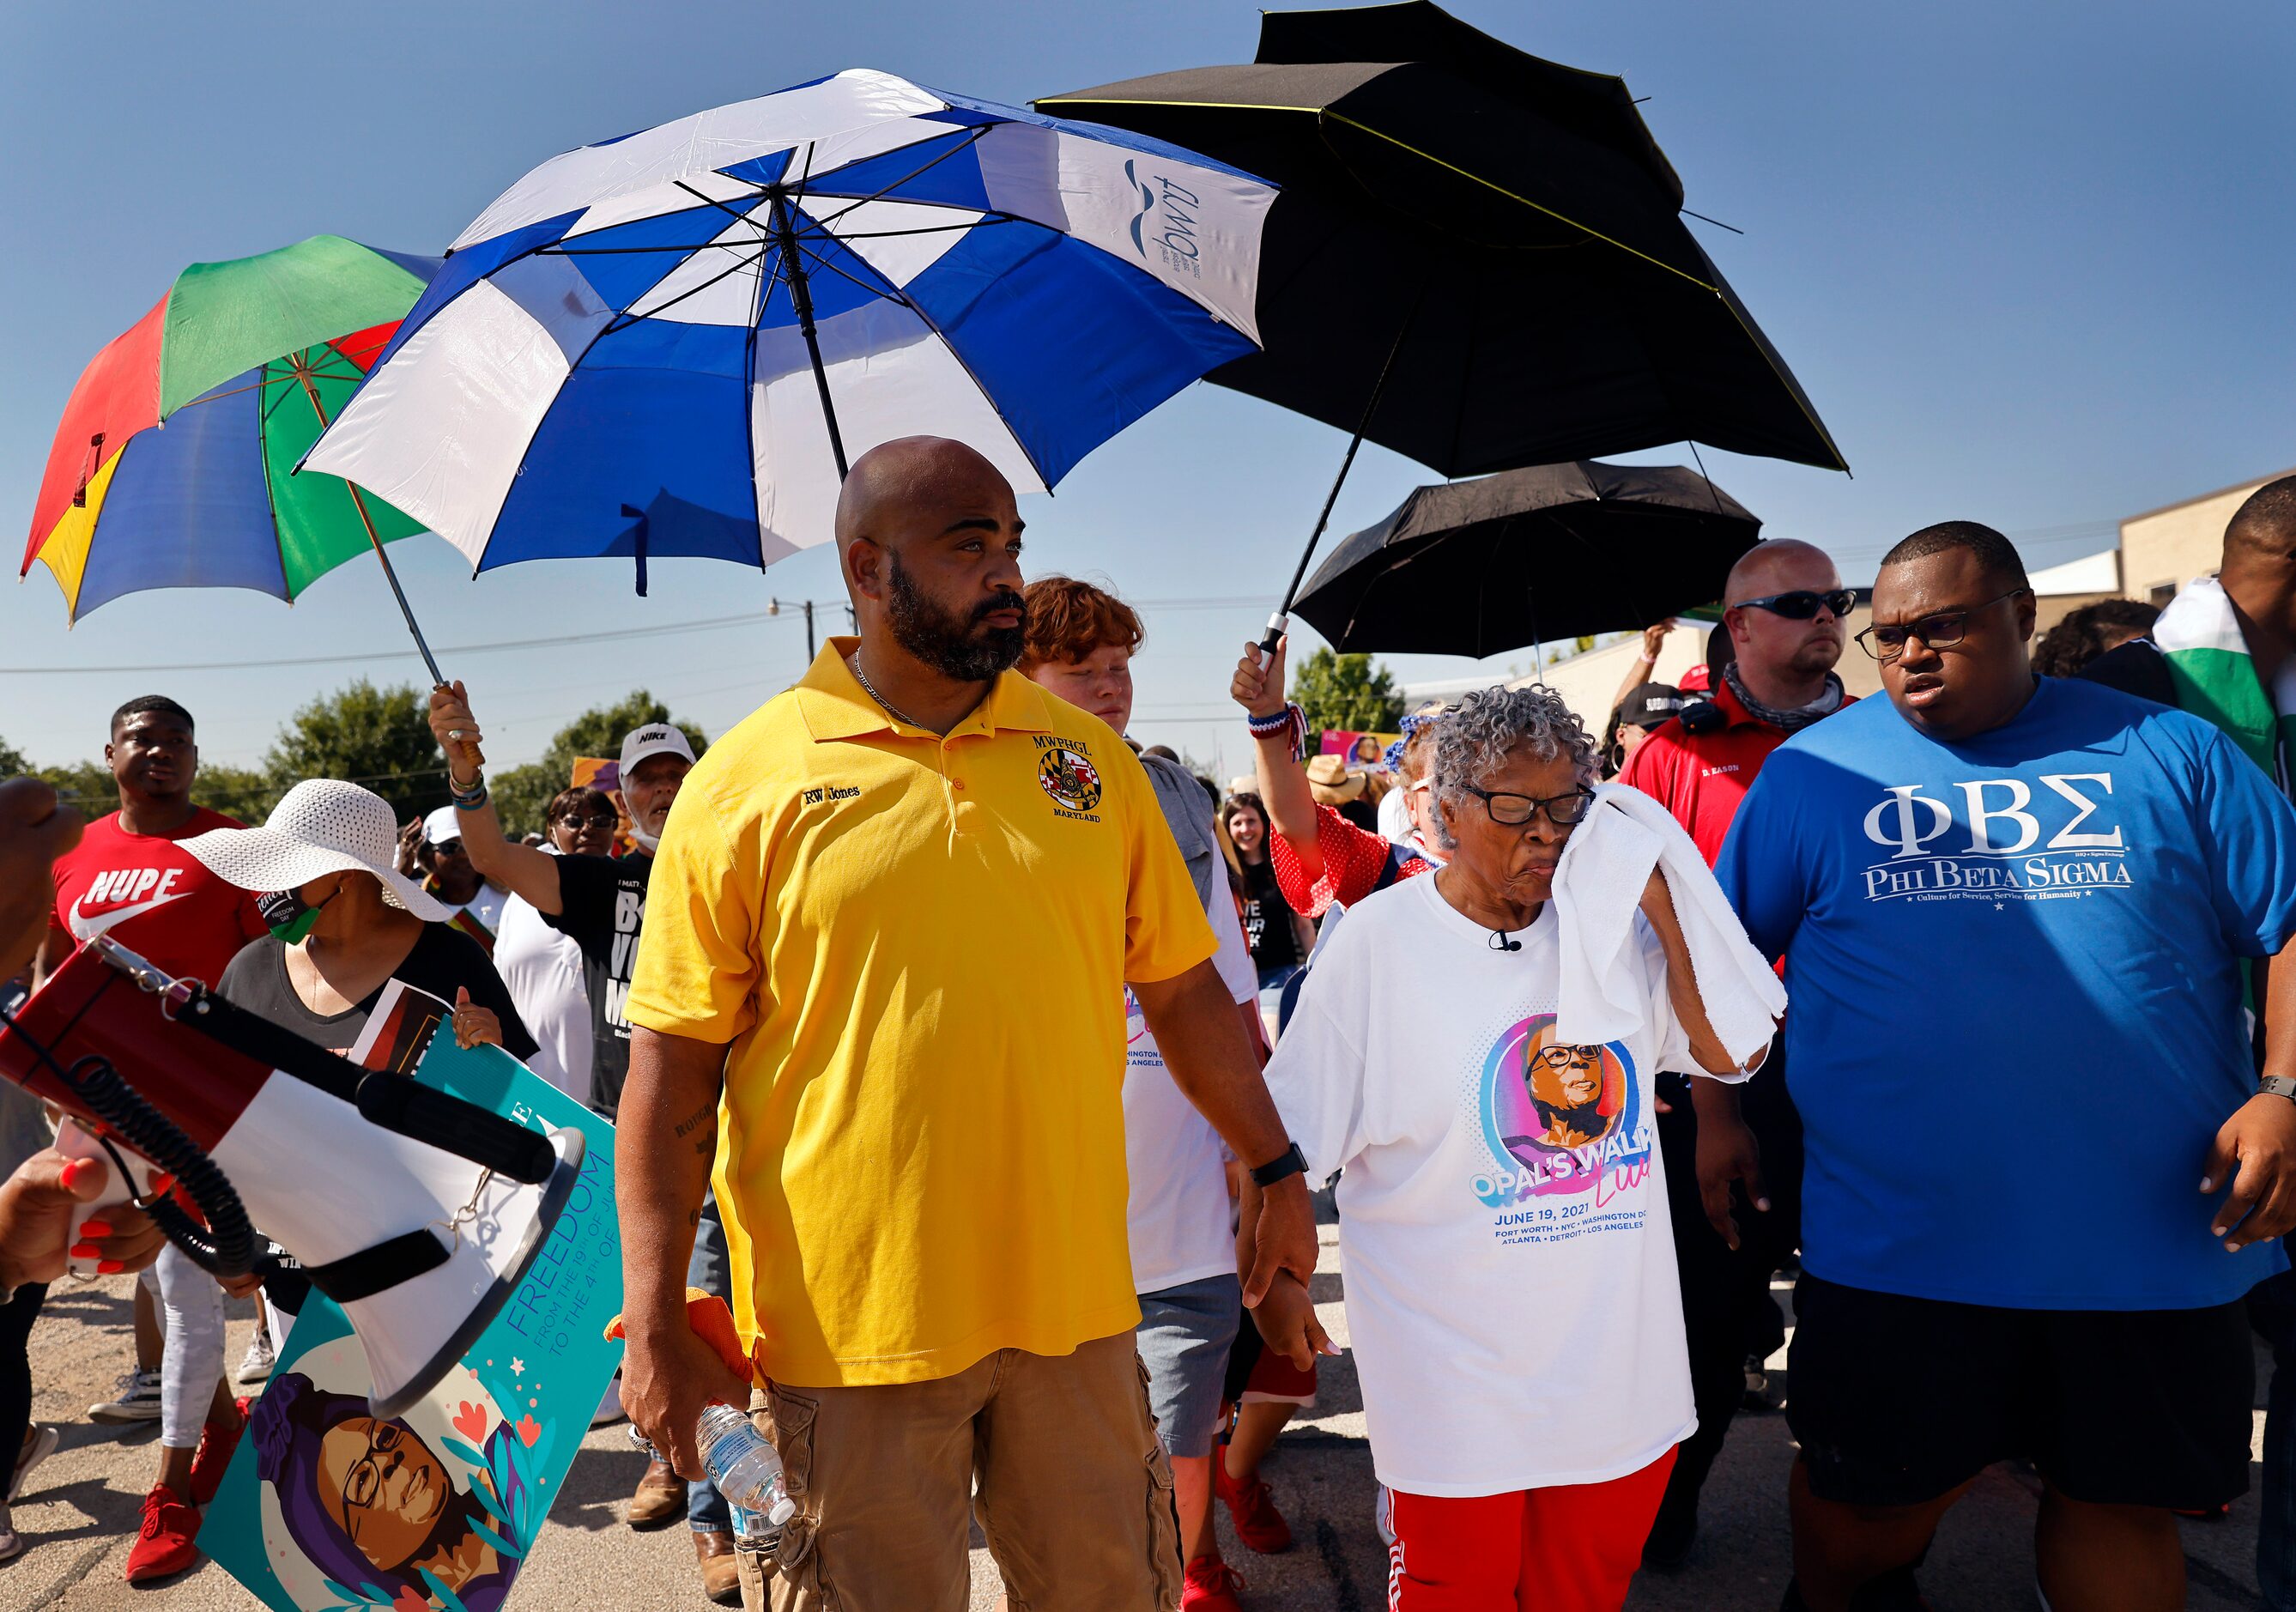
[
  {"x": 1514, "y": 810},
  {"x": 446, "y": 847},
  {"x": 1802, "y": 604},
  {"x": 1940, "y": 630}
]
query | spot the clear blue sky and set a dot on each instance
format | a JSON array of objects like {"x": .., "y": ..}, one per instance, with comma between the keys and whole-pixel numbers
[{"x": 2031, "y": 263}]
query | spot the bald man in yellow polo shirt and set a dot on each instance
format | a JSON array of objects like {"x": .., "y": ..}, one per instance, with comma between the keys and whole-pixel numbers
[{"x": 881, "y": 987}]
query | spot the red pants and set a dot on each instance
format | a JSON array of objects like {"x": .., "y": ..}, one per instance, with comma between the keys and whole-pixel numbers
[{"x": 1573, "y": 1549}]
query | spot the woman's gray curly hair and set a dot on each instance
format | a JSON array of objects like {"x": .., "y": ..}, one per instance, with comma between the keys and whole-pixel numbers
[{"x": 1476, "y": 736}]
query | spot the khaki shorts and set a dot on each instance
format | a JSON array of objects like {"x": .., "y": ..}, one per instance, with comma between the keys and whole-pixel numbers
[{"x": 1056, "y": 1456}]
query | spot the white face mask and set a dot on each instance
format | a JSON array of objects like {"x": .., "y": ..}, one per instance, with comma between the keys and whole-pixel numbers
[{"x": 640, "y": 837}]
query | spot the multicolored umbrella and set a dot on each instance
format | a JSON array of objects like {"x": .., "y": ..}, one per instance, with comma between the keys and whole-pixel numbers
[{"x": 172, "y": 465}]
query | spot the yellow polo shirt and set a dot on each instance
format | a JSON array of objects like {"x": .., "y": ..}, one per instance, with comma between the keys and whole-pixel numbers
[{"x": 917, "y": 947}]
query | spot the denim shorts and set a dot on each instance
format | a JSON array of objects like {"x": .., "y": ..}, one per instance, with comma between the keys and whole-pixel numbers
[{"x": 1183, "y": 1340}]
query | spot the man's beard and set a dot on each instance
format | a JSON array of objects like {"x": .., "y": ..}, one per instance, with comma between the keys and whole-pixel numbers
[{"x": 955, "y": 646}]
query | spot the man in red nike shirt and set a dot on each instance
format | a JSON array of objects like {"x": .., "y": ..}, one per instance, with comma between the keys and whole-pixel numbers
[
  {"x": 130, "y": 879},
  {"x": 1785, "y": 606}
]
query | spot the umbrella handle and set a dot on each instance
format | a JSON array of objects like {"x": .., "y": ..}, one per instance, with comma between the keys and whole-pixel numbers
[{"x": 1278, "y": 625}]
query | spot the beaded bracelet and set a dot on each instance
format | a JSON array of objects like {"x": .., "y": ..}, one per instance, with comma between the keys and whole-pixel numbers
[
  {"x": 471, "y": 799},
  {"x": 1291, "y": 720}
]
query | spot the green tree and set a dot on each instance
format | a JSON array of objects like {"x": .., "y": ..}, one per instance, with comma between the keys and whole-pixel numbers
[
  {"x": 237, "y": 792},
  {"x": 1346, "y": 691},
  {"x": 11, "y": 760},
  {"x": 521, "y": 795},
  {"x": 379, "y": 737},
  {"x": 86, "y": 784},
  {"x": 522, "y": 792}
]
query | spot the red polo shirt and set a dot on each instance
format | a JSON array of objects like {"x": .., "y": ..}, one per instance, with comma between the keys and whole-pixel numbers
[{"x": 1701, "y": 777}]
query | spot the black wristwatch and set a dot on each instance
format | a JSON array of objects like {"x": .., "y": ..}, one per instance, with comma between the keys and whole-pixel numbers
[
  {"x": 1289, "y": 1161},
  {"x": 2277, "y": 1085}
]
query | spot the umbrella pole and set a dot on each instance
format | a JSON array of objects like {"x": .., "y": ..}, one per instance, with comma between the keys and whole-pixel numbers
[
  {"x": 802, "y": 300},
  {"x": 1281, "y": 621},
  {"x": 437, "y": 678},
  {"x": 359, "y": 502}
]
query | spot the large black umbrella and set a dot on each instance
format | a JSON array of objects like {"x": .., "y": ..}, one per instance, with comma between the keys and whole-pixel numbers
[
  {"x": 1478, "y": 568},
  {"x": 1478, "y": 258}
]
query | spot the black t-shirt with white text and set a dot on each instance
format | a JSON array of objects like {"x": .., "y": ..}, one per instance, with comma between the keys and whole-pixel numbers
[
  {"x": 1267, "y": 920},
  {"x": 603, "y": 905}
]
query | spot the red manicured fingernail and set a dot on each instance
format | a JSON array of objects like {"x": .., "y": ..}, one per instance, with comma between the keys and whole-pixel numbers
[
  {"x": 73, "y": 1173},
  {"x": 95, "y": 1228},
  {"x": 86, "y": 1251},
  {"x": 111, "y": 1267}
]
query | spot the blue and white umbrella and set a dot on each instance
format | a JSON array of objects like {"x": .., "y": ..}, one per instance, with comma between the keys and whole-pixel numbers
[{"x": 667, "y": 344}]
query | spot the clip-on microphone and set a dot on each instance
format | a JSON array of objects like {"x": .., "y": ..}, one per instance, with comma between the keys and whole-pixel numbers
[{"x": 1499, "y": 941}]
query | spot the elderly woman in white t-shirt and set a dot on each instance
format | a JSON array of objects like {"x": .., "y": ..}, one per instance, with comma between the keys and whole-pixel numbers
[{"x": 1511, "y": 1290}]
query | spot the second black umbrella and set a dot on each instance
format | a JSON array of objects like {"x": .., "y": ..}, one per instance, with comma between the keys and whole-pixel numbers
[{"x": 1556, "y": 551}]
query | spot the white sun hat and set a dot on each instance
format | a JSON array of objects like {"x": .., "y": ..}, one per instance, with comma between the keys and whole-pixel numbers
[{"x": 320, "y": 827}]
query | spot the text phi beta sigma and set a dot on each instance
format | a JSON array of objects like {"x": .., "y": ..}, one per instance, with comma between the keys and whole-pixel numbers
[{"x": 2005, "y": 839}]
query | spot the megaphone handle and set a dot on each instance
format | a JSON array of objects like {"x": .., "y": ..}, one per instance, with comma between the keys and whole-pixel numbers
[{"x": 73, "y": 1141}]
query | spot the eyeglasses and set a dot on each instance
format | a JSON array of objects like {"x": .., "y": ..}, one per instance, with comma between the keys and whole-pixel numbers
[
  {"x": 363, "y": 1484},
  {"x": 1802, "y": 604},
  {"x": 1515, "y": 810},
  {"x": 1942, "y": 629},
  {"x": 587, "y": 820},
  {"x": 1557, "y": 1057}
]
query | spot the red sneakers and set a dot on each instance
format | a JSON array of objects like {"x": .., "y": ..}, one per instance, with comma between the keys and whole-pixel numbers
[
  {"x": 217, "y": 1443},
  {"x": 1253, "y": 1510},
  {"x": 1210, "y": 1587},
  {"x": 164, "y": 1545}
]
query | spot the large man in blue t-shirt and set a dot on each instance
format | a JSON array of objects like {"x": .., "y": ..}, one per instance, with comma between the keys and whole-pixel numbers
[{"x": 2012, "y": 912}]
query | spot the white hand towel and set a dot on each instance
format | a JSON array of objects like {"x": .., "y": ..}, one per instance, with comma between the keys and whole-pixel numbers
[{"x": 1598, "y": 890}]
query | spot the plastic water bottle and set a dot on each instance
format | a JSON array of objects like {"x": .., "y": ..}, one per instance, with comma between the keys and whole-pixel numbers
[{"x": 746, "y": 1470}]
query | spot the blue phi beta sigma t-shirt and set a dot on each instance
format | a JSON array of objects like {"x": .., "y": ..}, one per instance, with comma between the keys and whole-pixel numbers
[{"x": 2016, "y": 1021}]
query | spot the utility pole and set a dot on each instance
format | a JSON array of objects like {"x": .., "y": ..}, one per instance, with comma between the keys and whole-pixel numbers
[{"x": 812, "y": 648}]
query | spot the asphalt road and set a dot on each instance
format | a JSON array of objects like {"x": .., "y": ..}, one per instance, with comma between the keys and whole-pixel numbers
[{"x": 81, "y": 1511}]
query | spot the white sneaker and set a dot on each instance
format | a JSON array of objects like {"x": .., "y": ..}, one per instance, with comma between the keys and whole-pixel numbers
[
  {"x": 138, "y": 1401},
  {"x": 37, "y": 1449},
  {"x": 256, "y": 1365}
]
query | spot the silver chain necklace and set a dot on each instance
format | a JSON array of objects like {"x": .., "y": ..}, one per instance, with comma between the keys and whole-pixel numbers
[{"x": 891, "y": 710}]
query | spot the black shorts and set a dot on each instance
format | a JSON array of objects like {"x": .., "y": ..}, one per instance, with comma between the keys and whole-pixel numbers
[{"x": 1897, "y": 1401}]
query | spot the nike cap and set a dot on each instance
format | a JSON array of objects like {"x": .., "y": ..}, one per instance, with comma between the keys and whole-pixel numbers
[{"x": 655, "y": 738}]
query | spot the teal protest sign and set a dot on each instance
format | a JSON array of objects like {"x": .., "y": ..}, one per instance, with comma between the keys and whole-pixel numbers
[{"x": 324, "y": 1508}]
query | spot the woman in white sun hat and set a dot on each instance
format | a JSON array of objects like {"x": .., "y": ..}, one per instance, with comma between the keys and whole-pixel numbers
[{"x": 345, "y": 923}]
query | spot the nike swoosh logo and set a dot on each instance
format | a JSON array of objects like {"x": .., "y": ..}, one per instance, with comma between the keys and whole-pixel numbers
[{"x": 85, "y": 928}]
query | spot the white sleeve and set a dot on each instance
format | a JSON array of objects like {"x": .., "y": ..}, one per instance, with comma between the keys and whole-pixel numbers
[
  {"x": 1234, "y": 958},
  {"x": 1316, "y": 1076}
]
